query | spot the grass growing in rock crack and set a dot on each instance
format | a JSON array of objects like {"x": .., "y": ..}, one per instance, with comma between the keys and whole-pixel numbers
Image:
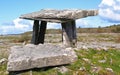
[
  {"x": 91, "y": 61},
  {"x": 101, "y": 60}
]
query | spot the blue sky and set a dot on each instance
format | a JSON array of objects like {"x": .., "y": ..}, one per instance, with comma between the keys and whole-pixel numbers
[{"x": 109, "y": 13}]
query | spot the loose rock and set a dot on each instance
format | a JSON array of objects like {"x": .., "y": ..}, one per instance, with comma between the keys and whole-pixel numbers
[
  {"x": 62, "y": 69},
  {"x": 102, "y": 61},
  {"x": 95, "y": 69},
  {"x": 3, "y": 60},
  {"x": 110, "y": 70},
  {"x": 38, "y": 56},
  {"x": 82, "y": 69}
]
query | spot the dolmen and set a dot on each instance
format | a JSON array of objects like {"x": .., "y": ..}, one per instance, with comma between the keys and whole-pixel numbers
[
  {"x": 39, "y": 55},
  {"x": 67, "y": 19}
]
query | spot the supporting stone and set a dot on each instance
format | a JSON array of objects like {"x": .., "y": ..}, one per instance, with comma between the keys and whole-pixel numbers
[
  {"x": 42, "y": 31},
  {"x": 35, "y": 32},
  {"x": 69, "y": 34}
]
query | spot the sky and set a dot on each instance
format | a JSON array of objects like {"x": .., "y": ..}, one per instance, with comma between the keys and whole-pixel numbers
[{"x": 109, "y": 13}]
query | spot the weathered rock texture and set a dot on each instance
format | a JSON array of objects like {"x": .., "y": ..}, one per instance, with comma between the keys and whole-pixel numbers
[
  {"x": 59, "y": 16},
  {"x": 38, "y": 56}
]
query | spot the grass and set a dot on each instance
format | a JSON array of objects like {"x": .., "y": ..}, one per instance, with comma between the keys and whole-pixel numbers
[
  {"x": 3, "y": 52},
  {"x": 16, "y": 38},
  {"x": 117, "y": 40},
  {"x": 87, "y": 59},
  {"x": 23, "y": 38},
  {"x": 100, "y": 37},
  {"x": 94, "y": 56}
]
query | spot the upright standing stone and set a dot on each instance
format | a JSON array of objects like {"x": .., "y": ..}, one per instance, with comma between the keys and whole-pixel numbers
[
  {"x": 35, "y": 32},
  {"x": 74, "y": 34},
  {"x": 42, "y": 31},
  {"x": 69, "y": 34}
]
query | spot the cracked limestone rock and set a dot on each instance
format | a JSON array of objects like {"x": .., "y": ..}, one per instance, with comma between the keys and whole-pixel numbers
[
  {"x": 59, "y": 16},
  {"x": 39, "y": 56}
]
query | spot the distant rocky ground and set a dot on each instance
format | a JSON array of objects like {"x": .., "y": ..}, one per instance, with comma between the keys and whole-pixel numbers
[
  {"x": 90, "y": 40},
  {"x": 98, "y": 45},
  {"x": 85, "y": 40}
]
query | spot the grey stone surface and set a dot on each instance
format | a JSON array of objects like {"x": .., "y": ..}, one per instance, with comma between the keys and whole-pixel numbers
[
  {"x": 38, "y": 56},
  {"x": 52, "y": 15},
  {"x": 110, "y": 70},
  {"x": 62, "y": 69},
  {"x": 98, "y": 45},
  {"x": 95, "y": 69}
]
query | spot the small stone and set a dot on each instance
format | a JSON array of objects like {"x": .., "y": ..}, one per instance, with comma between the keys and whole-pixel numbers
[
  {"x": 105, "y": 48},
  {"x": 95, "y": 69},
  {"x": 98, "y": 48},
  {"x": 31, "y": 72},
  {"x": 24, "y": 43},
  {"x": 102, "y": 61},
  {"x": 86, "y": 60},
  {"x": 110, "y": 70},
  {"x": 85, "y": 47},
  {"x": 82, "y": 68},
  {"x": 62, "y": 69},
  {"x": 111, "y": 61},
  {"x": 3, "y": 60},
  {"x": 30, "y": 45}
]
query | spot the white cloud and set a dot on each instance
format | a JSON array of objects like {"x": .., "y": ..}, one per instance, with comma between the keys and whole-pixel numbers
[
  {"x": 82, "y": 23},
  {"x": 53, "y": 26},
  {"x": 107, "y": 2},
  {"x": 110, "y": 10},
  {"x": 15, "y": 27},
  {"x": 22, "y": 25},
  {"x": 79, "y": 23}
]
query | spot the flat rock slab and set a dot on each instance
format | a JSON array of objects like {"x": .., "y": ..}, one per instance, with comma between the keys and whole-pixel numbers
[
  {"x": 59, "y": 16},
  {"x": 39, "y": 56}
]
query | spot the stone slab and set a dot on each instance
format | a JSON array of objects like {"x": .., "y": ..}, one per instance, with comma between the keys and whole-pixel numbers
[
  {"x": 59, "y": 16},
  {"x": 39, "y": 56}
]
